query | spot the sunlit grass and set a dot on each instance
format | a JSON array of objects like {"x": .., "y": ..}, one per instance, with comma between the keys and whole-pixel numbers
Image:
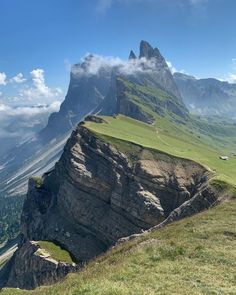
[
  {"x": 196, "y": 255},
  {"x": 173, "y": 139},
  {"x": 55, "y": 251}
]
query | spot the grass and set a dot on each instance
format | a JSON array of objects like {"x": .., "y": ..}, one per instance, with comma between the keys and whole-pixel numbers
[
  {"x": 151, "y": 100},
  {"x": 174, "y": 139},
  {"x": 194, "y": 256},
  {"x": 38, "y": 181},
  {"x": 55, "y": 251}
]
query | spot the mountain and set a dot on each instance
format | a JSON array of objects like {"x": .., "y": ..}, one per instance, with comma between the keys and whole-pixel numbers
[
  {"x": 146, "y": 80},
  {"x": 39, "y": 153},
  {"x": 140, "y": 163},
  {"x": 92, "y": 89},
  {"x": 86, "y": 91},
  {"x": 207, "y": 97},
  {"x": 114, "y": 180}
]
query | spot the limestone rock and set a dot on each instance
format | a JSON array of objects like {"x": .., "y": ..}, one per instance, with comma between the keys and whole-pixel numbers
[
  {"x": 95, "y": 196},
  {"x": 32, "y": 269}
]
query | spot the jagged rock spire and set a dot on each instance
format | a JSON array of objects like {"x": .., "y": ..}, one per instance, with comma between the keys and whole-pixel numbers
[
  {"x": 132, "y": 55},
  {"x": 146, "y": 50}
]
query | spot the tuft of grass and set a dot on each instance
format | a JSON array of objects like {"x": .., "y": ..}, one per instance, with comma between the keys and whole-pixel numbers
[
  {"x": 38, "y": 181},
  {"x": 55, "y": 251}
]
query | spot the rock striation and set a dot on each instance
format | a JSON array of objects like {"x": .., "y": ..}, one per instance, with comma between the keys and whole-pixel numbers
[
  {"x": 97, "y": 194},
  {"x": 34, "y": 268}
]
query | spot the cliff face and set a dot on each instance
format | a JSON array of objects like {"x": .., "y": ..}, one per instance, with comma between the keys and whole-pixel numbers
[
  {"x": 98, "y": 194},
  {"x": 34, "y": 268}
]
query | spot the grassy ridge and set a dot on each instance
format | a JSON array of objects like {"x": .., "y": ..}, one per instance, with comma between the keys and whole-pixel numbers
[
  {"x": 173, "y": 139},
  {"x": 193, "y": 256}
]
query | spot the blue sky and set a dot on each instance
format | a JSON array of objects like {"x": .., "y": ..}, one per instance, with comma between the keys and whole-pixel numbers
[{"x": 40, "y": 39}]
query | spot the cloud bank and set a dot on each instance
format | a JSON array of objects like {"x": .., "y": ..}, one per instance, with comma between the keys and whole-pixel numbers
[
  {"x": 7, "y": 111},
  {"x": 22, "y": 122},
  {"x": 93, "y": 64},
  {"x": 31, "y": 90}
]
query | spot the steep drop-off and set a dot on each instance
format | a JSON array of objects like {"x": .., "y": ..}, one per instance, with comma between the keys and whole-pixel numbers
[{"x": 100, "y": 192}]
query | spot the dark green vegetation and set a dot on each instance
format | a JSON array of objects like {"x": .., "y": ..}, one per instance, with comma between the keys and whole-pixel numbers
[
  {"x": 193, "y": 256},
  {"x": 55, "y": 251},
  {"x": 10, "y": 211}
]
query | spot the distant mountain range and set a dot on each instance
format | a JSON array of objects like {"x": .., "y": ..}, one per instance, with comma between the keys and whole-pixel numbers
[{"x": 207, "y": 97}]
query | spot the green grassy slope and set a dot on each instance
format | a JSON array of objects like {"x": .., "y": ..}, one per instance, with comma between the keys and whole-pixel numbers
[
  {"x": 194, "y": 256},
  {"x": 55, "y": 251},
  {"x": 150, "y": 101},
  {"x": 175, "y": 139}
]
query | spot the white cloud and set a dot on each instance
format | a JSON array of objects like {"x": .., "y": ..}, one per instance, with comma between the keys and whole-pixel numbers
[
  {"x": 171, "y": 67},
  {"x": 28, "y": 119},
  {"x": 39, "y": 89},
  {"x": 8, "y": 111},
  {"x": 19, "y": 78},
  {"x": 174, "y": 70},
  {"x": 92, "y": 64},
  {"x": 231, "y": 78},
  {"x": 3, "y": 78}
]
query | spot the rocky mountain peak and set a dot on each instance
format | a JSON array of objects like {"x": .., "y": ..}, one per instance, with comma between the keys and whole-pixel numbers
[
  {"x": 147, "y": 51},
  {"x": 132, "y": 55}
]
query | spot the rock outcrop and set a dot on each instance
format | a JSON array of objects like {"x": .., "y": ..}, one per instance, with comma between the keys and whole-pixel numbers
[
  {"x": 96, "y": 195},
  {"x": 34, "y": 268},
  {"x": 161, "y": 74}
]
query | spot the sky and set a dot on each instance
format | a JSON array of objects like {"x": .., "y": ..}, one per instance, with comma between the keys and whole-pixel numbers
[{"x": 40, "y": 40}]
